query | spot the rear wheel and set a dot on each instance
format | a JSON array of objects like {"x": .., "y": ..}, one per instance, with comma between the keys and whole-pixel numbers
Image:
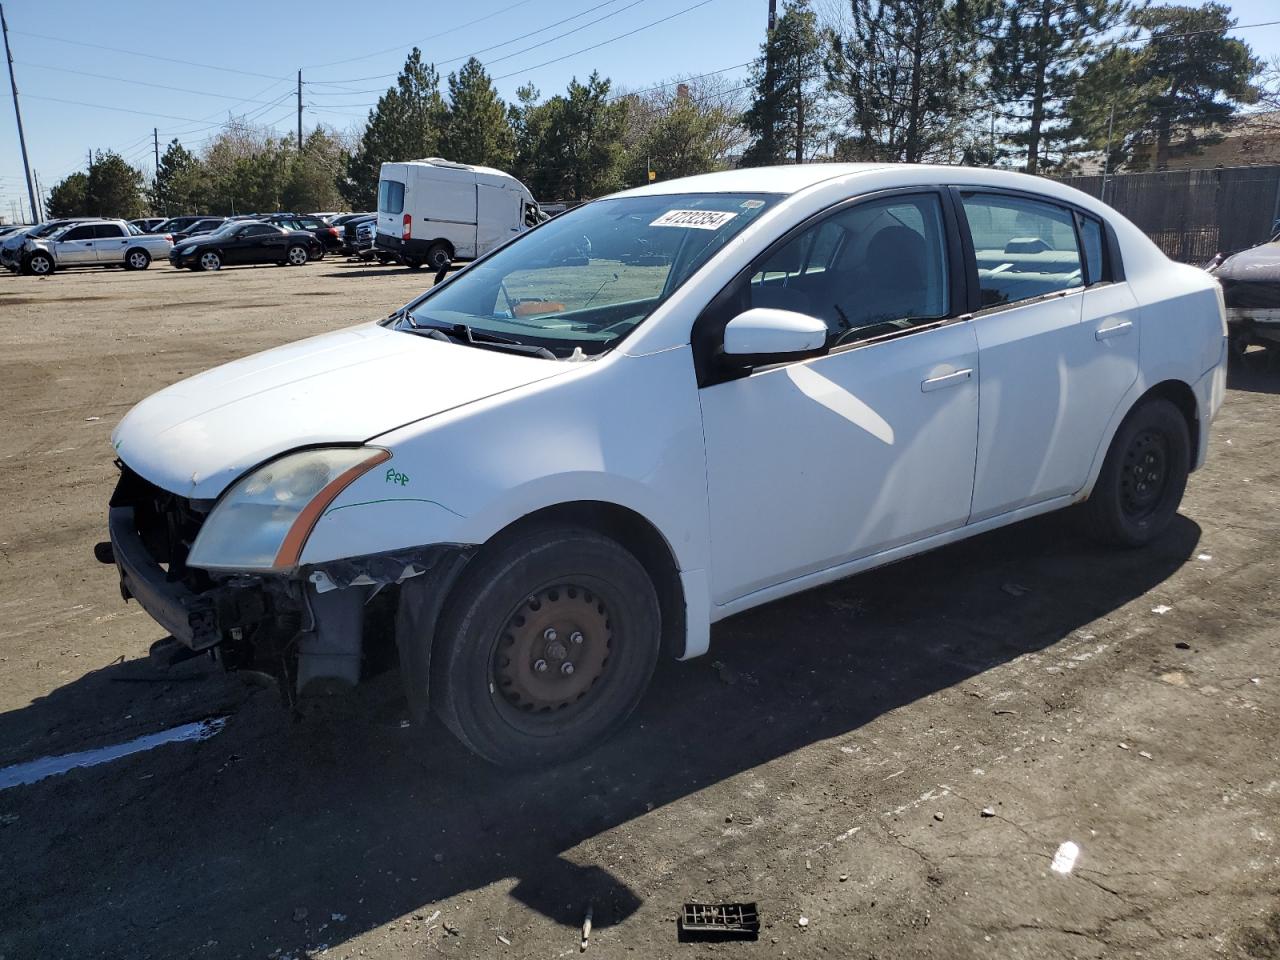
[
  {"x": 545, "y": 647},
  {"x": 209, "y": 260},
  {"x": 38, "y": 265},
  {"x": 439, "y": 255},
  {"x": 296, "y": 256},
  {"x": 1143, "y": 477},
  {"x": 137, "y": 260}
]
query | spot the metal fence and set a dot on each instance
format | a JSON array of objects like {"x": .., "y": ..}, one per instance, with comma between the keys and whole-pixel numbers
[{"x": 1193, "y": 214}]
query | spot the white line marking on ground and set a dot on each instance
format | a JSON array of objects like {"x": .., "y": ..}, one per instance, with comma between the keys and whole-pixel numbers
[{"x": 21, "y": 774}]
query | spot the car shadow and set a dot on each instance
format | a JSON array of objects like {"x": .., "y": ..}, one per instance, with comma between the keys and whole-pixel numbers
[{"x": 349, "y": 813}]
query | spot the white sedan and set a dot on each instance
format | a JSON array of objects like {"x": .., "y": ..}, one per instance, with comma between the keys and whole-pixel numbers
[{"x": 657, "y": 410}]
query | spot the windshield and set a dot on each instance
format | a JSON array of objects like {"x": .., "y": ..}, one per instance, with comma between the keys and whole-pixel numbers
[{"x": 589, "y": 277}]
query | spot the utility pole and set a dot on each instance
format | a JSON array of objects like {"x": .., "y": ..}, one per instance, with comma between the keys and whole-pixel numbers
[
  {"x": 299, "y": 111},
  {"x": 22, "y": 137},
  {"x": 773, "y": 14},
  {"x": 1106, "y": 157},
  {"x": 41, "y": 213},
  {"x": 155, "y": 179}
]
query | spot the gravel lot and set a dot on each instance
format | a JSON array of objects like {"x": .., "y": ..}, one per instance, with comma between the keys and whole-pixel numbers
[{"x": 895, "y": 758}]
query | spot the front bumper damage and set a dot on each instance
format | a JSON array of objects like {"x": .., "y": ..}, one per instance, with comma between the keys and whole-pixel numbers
[{"x": 306, "y": 627}]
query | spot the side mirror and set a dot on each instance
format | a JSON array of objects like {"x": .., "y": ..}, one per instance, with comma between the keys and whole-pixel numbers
[{"x": 766, "y": 335}]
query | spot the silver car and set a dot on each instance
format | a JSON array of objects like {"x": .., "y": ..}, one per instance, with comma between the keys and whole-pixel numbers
[{"x": 93, "y": 243}]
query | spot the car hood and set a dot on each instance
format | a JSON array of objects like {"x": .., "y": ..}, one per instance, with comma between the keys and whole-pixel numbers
[
  {"x": 198, "y": 436},
  {"x": 1258, "y": 264}
]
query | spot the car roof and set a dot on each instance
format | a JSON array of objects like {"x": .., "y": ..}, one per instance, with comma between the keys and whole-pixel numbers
[{"x": 788, "y": 179}]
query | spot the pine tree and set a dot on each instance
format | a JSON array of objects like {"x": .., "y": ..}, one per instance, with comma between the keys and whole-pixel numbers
[
  {"x": 1039, "y": 52},
  {"x": 783, "y": 119},
  {"x": 903, "y": 69},
  {"x": 570, "y": 147},
  {"x": 1182, "y": 84},
  {"x": 179, "y": 181},
  {"x": 113, "y": 188},
  {"x": 406, "y": 124},
  {"x": 477, "y": 129},
  {"x": 69, "y": 197}
]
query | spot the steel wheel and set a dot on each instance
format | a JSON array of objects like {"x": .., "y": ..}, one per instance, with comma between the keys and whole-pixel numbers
[
  {"x": 553, "y": 649},
  {"x": 210, "y": 261},
  {"x": 297, "y": 256},
  {"x": 1144, "y": 474}
]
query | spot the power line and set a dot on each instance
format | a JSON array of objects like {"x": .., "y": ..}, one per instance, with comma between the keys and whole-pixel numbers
[
  {"x": 103, "y": 106},
  {"x": 415, "y": 43},
  {"x": 596, "y": 46},
  {"x": 516, "y": 39},
  {"x": 141, "y": 83},
  {"x": 149, "y": 56},
  {"x": 673, "y": 83}
]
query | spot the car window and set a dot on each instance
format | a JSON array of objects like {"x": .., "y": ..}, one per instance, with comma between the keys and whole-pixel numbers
[
  {"x": 258, "y": 230},
  {"x": 390, "y": 196},
  {"x": 864, "y": 271},
  {"x": 106, "y": 231},
  {"x": 1091, "y": 240},
  {"x": 1024, "y": 248},
  {"x": 77, "y": 233},
  {"x": 311, "y": 223},
  {"x": 136, "y": 231},
  {"x": 589, "y": 277}
]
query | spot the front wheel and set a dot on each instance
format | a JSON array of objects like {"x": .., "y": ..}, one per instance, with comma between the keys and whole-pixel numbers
[
  {"x": 1143, "y": 476},
  {"x": 210, "y": 261},
  {"x": 38, "y": 265},
  {"x": 545, "y": 647},
  {"x": 296, "y": 256}
]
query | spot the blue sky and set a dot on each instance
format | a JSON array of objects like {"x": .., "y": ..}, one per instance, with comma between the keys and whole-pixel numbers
[{"x": 260, "y": 45}]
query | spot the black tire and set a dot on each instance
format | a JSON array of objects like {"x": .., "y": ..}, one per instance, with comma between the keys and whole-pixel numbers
[
  {"x": 296, "y": 255},
  {"x": 38, "y": 264},
  {"x": 137, "y": 259},
  {"x": 563, "y": 574},
  {"x": 1143, "y": 476},
  {"x": 439, "y": 254}
]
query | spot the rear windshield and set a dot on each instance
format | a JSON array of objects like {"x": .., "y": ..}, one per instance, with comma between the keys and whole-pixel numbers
[
  {"x": 390, "y": 196},
  {"x": 589, "y": 277}
]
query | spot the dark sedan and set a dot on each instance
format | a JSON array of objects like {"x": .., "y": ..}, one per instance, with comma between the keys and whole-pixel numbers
[
  {"x": 208, "y": 225},
  {"x": 246, "y": 242}
]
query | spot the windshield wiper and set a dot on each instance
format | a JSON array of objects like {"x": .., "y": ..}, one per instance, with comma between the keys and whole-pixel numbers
[{"x": 461, "y": 333}]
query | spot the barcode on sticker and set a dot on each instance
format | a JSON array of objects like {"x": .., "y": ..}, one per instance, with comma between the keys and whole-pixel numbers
[{"x": 694, "y": 219}]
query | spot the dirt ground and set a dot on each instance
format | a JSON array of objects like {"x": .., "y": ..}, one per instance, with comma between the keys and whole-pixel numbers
[{"x": 895, "y": 758}]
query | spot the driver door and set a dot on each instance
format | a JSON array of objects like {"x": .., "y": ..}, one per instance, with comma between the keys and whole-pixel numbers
[{"x": 814, "y": 463}]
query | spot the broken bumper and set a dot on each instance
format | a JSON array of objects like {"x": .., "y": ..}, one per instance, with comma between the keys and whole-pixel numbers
[{"x": 190, "y": 617}]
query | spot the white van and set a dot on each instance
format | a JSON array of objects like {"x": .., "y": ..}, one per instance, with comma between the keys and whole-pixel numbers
[{"x": 433, "y": 211}]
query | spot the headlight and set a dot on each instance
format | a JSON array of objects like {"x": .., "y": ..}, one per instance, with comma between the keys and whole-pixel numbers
[
  {"x": 185, "y": 250},
  {"x": 262, "y": 522}
]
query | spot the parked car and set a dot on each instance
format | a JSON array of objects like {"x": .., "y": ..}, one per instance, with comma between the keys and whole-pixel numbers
[
  {"x": 349, "y": 237},
  {"x": 207, "y": 225},
  {"x": 1251, "y": 290},
  {"x": 323, "y": 231},
  {"x": 92, "y": 243},
  {"x": 434, "y": 211},
  {"x": 341, "y": 219},
  {"x": 246, "y": 241},
  {"x": 365, "y": 248},
  {"x": 11, "y": 247},
  {"x": 8, "y": 228},
  {"x": 554, "y": 467},
  {"x": 148, "y": 224},
  {"x": 178, "y": 224}
]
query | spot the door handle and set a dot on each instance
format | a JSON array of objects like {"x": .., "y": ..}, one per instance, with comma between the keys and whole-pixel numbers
[
  {"x": 1115, "y": 330},
  {"x": 946, "y": 380}
]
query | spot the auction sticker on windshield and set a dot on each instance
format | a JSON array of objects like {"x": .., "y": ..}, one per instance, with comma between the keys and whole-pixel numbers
[{"x": 695, "y": 219}]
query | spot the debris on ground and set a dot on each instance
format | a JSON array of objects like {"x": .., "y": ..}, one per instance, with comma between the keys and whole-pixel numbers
[
  {"x": 987, "y": 812},
  {"x": 586, "y": 928},
  {"x": 802, "y": 922},
  {"x": 1161, "y": 609},
  {"x": 503, "y": 940},
  {"x": 719, "y": 921},
  {"x": 1182, "y": 645},
  {"x": 938, "y": 816},
  {"x": 1064, "y": 860}
]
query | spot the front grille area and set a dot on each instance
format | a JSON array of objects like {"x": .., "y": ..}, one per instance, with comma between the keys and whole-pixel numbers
[{"x": 166, "y": 522}]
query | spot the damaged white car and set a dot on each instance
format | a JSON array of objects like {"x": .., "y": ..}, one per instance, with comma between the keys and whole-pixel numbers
[{"x": 660, "y": 409}]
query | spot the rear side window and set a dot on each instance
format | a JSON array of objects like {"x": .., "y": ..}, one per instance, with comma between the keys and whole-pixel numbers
[
  {"x": 1091, "y": 240},
  {"x": 78, "y": 233},
  {"x": 390, "y": 196},
  {"x": 105, "y": 231},
  {"x": 1024, "y": 248}
]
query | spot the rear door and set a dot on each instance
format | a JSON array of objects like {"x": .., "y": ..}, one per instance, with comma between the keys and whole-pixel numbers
[
  {"x": 391, "y": 194},
  {"x": 110, "y": 240},
  {"x": 1049, "y": 382}
]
